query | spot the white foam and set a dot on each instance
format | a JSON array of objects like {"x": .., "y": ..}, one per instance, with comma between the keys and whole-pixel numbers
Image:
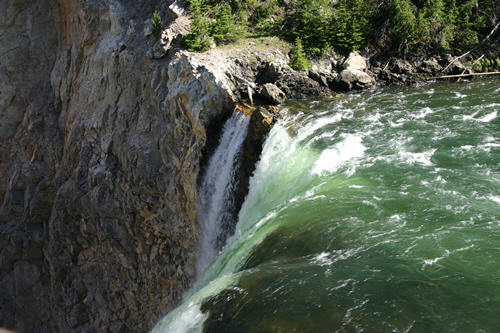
[
  {"x": 322, "y": 259},
  {"x": 190, "y": 320},
  {"x": 396, "y": 124},
  {"x": 309, "y": 129},
  {"x": 430, "y": 262},
  {"x": 422, "y": 113},
  {"x": 268, "y": 217},
  {"x": 321, "y": 196},
  {"x": 470, "y": 117},
  {"x": 494, "y": 198},
  {"x": 331, "y": 159},
  {"x": 487, "y": 118},
  {"x": 423, "y": 158},
  {"x": 484, "y": 119}
]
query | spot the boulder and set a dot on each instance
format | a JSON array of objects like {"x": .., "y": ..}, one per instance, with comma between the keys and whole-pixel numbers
[
  {"x": 350, "y": 79},
  {"x": 354, "y": 61},
  {"x": 299, "y": 85},
  {"x": 324, "y": 79},
  {"x": 401, "y": 66},
  {"x": 430, "y": 66},
  {"x": 323, "y": 65},
  {"x": 176, "y": 9},
  {"x": 273, "y": 71},
  {"x": 272, "y": 94},
  {"x": 322, "y": 72}
]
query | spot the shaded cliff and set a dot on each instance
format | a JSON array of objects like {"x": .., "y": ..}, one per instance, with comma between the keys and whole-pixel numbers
[{"x": 100, "y": 151}]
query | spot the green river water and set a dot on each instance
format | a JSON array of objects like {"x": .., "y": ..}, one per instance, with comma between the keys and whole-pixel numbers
[{"x": 369, "y": 212}]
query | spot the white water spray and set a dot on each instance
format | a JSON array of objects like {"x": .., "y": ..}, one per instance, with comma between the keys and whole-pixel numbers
[{"x": 217, "y": 188}]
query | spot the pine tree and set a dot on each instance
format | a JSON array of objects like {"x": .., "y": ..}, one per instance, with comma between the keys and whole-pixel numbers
[
  {"x": 199, "y": 39},
  {"x": 156, "y": 24},
  {"x": 298, "y": 60},
  {"x": 224, "y": 30}
]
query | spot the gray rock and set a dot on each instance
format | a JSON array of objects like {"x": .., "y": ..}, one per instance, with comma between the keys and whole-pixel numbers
[
  {"x": 354, "y": 61},
  {"x": 176, "y": 9},
  {"x": 100, "y": 151},
  {"x": 350, "y": 79},
  {"x": 430, "y": 66},
  {"x": 322, "y": 71},
  {"x": 323, "y": 65},
  {"x": 401, "y": 66},
  {"x": 274, "y": 71},
  {"x": 272, "y": 94}
]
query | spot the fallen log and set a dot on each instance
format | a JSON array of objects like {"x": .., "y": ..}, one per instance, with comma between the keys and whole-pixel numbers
[{"x": 462, "y": 75}]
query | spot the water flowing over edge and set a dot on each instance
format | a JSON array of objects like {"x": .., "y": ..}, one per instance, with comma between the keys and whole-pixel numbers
[
  {"x": 281, "y": 148},
  {"x": 217, "y": 189}
]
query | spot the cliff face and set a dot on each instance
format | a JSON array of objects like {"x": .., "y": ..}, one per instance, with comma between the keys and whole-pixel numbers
[{"x": 100, "y": 149}]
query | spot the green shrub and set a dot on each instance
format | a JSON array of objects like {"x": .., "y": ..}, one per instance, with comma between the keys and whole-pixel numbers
[
  {"x": 397, "y": 26},
  {"x": 224, "y": 30},
  {"x": 404, "y": 22},
  {"x": 199, "y": 39},
  {"x": 310, "y": 23},
  {"x": 351, "y": 24},
  {"x": 156, "y": 24},
  {"x": 298, "y": 59}
]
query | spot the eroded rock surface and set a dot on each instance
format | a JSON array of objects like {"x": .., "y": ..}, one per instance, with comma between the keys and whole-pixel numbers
[{"x": 100, "y": 148}]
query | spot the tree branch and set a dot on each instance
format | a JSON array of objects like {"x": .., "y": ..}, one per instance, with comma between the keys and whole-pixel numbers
[{"x": 474, "y": 48}]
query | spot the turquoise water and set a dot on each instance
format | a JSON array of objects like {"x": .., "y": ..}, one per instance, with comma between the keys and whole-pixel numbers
[{"x": 370, "y": 212}]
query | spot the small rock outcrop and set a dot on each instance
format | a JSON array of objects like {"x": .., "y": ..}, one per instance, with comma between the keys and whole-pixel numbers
[
  {"x": 271, "y": 94},
  {"x": 353, "y": 75},
  {"x": 354, "y": 61},
  {"x": 261, "y": 121},
  {"x": 354, "y": 79}
]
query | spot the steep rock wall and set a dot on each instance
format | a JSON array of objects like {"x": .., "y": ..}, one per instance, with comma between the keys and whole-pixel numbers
[{"x": 100, "y": 150}]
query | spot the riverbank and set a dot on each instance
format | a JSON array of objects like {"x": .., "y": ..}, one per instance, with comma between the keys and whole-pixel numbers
[{"x": 258, "y": 70}]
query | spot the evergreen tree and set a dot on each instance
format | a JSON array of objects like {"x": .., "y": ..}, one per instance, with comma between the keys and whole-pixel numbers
[
  {"x": 199, "y": 38},
  {"x": 404, "y": 23},
  {"x": 298, "y": 60},
  {"x": 156, "y": 24},
  {"x": 224, "y": 30}
]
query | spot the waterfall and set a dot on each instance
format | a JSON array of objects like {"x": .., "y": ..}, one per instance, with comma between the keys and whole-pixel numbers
[
  {"x": 356, "y": 203},
  {"x": 217, "y": 189}
]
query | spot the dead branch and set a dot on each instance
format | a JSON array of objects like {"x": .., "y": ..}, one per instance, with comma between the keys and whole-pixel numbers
[
  {"x": 463, "y": 75},
  {"x": 474, "y": 48}
]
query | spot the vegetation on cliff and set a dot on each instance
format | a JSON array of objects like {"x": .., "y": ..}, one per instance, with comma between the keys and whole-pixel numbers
[{"x": 394, "y": 27}]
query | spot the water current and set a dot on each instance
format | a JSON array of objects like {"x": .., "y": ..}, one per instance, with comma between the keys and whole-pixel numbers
[
  {"x": 217, "y": 188},
  {"x": 368, "y": 212}
]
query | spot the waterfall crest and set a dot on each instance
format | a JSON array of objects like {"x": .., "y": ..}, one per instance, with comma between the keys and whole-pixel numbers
[{"x": 217, "y": 189}]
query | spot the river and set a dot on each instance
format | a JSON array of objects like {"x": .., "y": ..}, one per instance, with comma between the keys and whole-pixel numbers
[{"x": 376, "y": 211}]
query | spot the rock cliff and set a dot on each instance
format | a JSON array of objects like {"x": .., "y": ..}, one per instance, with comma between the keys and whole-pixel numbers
[{"x": 100, "y": 151}]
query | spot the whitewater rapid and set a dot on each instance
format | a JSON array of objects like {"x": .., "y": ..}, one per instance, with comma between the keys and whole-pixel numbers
[{"x": 372, "y": 212}]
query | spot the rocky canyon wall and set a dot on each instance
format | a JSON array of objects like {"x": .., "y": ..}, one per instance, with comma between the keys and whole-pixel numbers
[{"x": 100, "y": 147}]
